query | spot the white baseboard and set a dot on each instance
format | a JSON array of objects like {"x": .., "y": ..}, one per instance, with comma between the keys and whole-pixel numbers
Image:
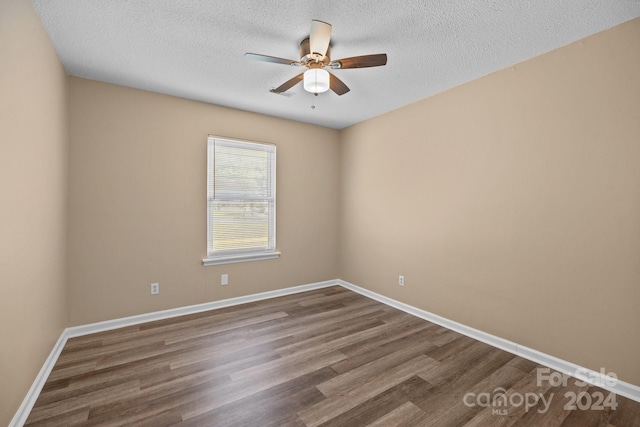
[
  {"x": 75, "y": 331},
  {"x": 107, "y": 325},
  {"x": 32, "y": 395},
  {"x": 618, "y": 387}
]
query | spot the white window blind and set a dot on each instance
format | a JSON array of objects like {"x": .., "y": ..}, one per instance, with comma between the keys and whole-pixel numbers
[{"x": 241, "y": 201}]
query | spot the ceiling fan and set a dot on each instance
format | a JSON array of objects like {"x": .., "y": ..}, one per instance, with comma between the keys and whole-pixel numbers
[{"x": 315, "y": 54}]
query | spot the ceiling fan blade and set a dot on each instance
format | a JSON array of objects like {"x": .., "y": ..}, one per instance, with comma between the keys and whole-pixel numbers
[
  {"x": 361, "y": 61},
  {"x": 337, "y": 85},
  {"x": 267, "y": 58},
  {"x": 319, "y": 37},
  {"x": 288, "y": 84}
]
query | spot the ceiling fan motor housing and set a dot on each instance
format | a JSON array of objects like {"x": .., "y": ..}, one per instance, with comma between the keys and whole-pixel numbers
[{"x": 313, "y": 60}]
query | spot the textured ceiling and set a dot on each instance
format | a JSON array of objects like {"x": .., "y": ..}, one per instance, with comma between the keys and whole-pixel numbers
[{"x": 194, "y": 48}]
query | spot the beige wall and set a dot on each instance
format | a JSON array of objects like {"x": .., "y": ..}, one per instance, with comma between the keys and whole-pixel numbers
[
  {"x": 511, "y": 203},
  {"x": 33, "y": 200},
  {"x": 137, "y": 209}
]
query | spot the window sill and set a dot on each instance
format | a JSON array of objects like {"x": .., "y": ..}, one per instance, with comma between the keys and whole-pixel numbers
[{"x": 229, "y": 259}]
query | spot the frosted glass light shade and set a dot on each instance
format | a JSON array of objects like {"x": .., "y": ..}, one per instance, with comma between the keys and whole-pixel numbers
[{"x": 316, "y": 80}]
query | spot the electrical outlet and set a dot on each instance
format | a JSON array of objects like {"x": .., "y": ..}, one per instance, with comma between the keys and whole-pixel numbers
[
  {"x": 155, "y": 288},
  {"x": 401, "y": 280},
  {"x": 224, "y": 279}
]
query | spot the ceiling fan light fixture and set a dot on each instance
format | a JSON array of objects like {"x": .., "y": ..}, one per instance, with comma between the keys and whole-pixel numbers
[
  {"x": 316, "y": 80},
  {"x": 315, "y": 54}
]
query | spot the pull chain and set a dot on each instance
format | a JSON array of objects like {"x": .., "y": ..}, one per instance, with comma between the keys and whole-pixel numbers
[{"x": 315, "y": 80}]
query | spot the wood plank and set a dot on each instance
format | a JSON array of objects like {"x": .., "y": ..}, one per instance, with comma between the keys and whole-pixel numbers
[
  {"x": 338, "y": 404},
  {"x": 379, "y": 405},
  {"x": 274, "y": 406},
  {"x": 363, "y": 373},
  {"x": 75, "y": 403},
  {"x": 326, "y": 357},
  {"x": 445, "y": 402},
  {"x": 249, "y": 386},
  {"x": 406, "y": 415}
]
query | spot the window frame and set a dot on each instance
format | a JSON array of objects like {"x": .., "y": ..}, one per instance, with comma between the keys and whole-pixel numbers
[{"x": 242, "y": 254}]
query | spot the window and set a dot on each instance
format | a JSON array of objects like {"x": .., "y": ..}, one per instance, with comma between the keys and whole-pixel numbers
[{"x": 241, "y": 201}]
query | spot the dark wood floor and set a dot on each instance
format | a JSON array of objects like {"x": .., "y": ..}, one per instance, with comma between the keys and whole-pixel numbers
[{"x": 328, "y": 357}]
